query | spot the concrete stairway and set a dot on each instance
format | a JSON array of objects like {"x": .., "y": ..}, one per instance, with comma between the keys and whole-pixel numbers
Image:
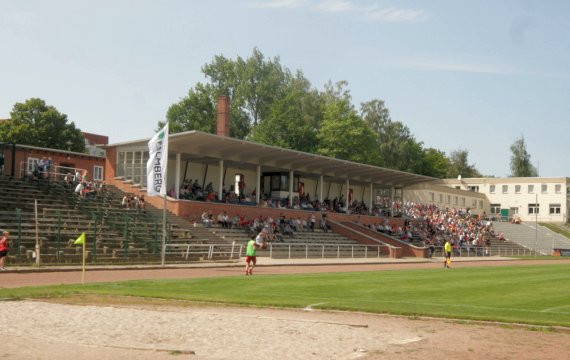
[{"x": 533, "y": 237}]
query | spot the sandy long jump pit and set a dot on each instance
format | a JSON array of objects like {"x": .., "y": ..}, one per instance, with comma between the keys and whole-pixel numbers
[{"x": 138, "y": 329}]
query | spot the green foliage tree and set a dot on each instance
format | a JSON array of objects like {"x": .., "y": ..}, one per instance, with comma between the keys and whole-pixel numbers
[
  {"x": 459, "y": 165},
  {"x": 520, "y": 160},
  {"x": 253, "y": 84},
  {"x": 435, "y": 163},
  {"x": 295, "y": 120},
  {"x": 344, "y": 135},
  {"x": 397, "y": 146},
  {"x": 196, "y": 111},
  {"x": 33, "y": 122}
]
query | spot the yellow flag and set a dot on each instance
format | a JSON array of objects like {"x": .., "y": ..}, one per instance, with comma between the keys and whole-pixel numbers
[{"x": 80, "y": 240}]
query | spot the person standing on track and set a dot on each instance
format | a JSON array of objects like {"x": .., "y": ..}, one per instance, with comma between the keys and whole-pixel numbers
[
  {"x": 3, "y": 249},
  {"x": 447, "y": 249},
  {"x": 250, "y": 256}
]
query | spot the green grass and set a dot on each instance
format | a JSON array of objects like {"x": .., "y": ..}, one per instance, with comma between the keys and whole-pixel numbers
[
  {"x": 557, "y": 229},
  {"x": 538, "y": 295}
]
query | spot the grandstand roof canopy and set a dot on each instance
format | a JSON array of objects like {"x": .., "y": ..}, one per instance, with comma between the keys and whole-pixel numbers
[{"x": 205, "y": 148}]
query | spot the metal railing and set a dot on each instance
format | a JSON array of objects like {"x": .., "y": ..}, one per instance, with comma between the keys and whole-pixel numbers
[
  {"x": 322, "y": 251},
  {"x": 491, "y": 251},
  {"x": 203, "y": 251}
]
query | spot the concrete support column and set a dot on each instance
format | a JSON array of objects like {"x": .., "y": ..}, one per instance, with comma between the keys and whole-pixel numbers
[
  {"x": 258, "y": 185},
  {"x": 371, "y": 199},
  {"x": 321, "y": 186},
  {"x": 177, "y": 176},
  {"x": 291, "y": 188},
  {"x": 221, "y": 182},
  {"x": 392, "y": 194},
  {"x": 346, "y": 196}
]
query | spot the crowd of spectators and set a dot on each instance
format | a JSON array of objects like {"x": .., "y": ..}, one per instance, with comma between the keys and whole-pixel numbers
[
  {"x": 434, "y": 225},
  {"x": 133, "y": 202},
  {"x": 273, "y": 229}
]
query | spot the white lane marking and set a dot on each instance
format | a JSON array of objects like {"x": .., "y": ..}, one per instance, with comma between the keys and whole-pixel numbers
[
  {"x": 406, "y": 341},
  {"x": 310, "y": 307}
]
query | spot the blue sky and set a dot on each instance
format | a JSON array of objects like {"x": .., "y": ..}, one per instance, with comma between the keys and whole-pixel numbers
[{"x": 461, "y": 74}]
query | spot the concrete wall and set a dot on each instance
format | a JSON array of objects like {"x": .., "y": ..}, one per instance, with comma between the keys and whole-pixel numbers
[{"x": 503, "y": 191}]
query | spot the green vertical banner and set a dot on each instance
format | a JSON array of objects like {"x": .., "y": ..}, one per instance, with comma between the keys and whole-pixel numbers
[
  {"x": 58, "y": 214},
  {"x": 127, "y": 235},
  {"x": 155, "y": 243},
  {"x": 94, "y": 217},
  {"x": 19, "y": 213}
]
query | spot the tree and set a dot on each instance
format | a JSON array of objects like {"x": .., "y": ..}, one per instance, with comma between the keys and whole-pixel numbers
[
  {"x": 35, "y": 123},
  {"x": 344, "y": 135},
  {"x": 460, "y": 165},
  {"x": 435, "y": 163},
  {"x": 294, "y": 121},
  {"x": 520, "y": 160},
  {"x": 253, "y": 84},
  {"x": 397, "y": 146},
  {"x": 196, "y": 111}
]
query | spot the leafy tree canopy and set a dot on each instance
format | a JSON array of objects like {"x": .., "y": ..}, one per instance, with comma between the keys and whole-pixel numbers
[
  {"x": 272, "y": 105},
  {"x": 33, "y": 122},
  {"x": 520, "y": 160}
]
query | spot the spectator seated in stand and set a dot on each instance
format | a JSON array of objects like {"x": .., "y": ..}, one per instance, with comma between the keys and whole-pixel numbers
[{"x": 207, "y": 219}]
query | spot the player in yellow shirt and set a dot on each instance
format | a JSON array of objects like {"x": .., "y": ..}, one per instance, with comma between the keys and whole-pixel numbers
[{"x": 447, "y": 249}]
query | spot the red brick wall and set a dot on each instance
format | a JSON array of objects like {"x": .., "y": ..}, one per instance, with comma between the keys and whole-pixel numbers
[
  {"x": 95, "y": 139},
  {"x": 58, "y": 158},
  {"x": 407, "y": 250}
]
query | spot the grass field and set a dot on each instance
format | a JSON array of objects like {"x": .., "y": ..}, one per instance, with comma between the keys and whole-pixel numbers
[{"x": 531, "y": 294}]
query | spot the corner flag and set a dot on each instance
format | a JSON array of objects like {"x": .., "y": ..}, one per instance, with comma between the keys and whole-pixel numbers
[
  {"x": 80, "y": 240},
  {"x": 157, "y": 161}
]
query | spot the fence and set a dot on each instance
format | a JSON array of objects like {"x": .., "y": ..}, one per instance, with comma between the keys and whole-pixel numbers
[
  {"x": 203, "y": 251},
  {"x": 491, "y": 251}
]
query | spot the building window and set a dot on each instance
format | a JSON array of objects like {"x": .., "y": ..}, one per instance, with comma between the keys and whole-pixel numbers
[
  {"x": 32, "y": 163},
  {"x": 455, "y": 200},
  {"x": 440, "y": 198},
  {"x": 554, "y": 209},
  {"x": 432, "y": 196},
  {"x": 533, "y": 209},
  {"x": 462, "y": 201},
  {"x": 495, "y": 208},
  {"x": 474, "y": 188},
  {"x": 448, "y": 199},
  {"x": 557, "y": 188},
  {"x": 505, "y": 189},
  {"x": 531, "y": 189},
  {"x": 544, "y": 188},
  {"x": 514, "y": 211},
  {"x": 98, "y": 173},
  {"x": 474, "y": 204},
  {"x": 492, "y": 189},
  {"x": 480, "y": 204},
  {"x": 517, "y": 189}
]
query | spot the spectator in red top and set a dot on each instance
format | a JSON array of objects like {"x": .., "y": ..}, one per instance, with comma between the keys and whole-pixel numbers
[{"x": 3, "y": 249}]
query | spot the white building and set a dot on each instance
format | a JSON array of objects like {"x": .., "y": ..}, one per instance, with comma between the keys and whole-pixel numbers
[{"x": 529, "y": 198}]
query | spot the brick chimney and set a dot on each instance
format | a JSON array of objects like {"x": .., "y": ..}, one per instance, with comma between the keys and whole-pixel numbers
[{"x": 223, "y": 121}]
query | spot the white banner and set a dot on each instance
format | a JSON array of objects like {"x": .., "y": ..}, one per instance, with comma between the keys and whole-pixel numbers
[{"x": 157, "y": 161}]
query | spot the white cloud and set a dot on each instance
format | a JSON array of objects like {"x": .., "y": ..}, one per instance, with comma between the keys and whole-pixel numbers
[
  {"x": 280, "y": 4},
  {"x": 395, "y": 15},
  {"x": 371, "y": 12},
  {"x": 458, "y": 66},
  {"x": 337, "y": 6}
]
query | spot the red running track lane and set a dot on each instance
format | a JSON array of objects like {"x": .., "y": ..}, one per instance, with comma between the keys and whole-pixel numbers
[{"x": 12, "y": 279}]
